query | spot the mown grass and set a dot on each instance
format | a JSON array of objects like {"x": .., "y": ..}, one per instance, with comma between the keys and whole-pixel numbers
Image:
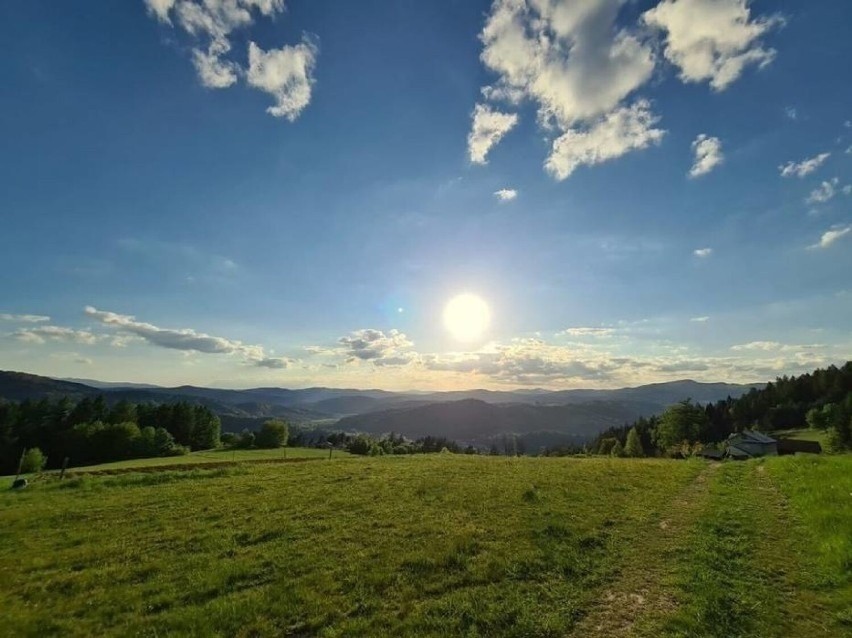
[
  {"x": 805, "y": 434},
  {"x": 437, "y": 545},
  {"x": 214, "y": 456},
  {"x": 818, "y": 490}
]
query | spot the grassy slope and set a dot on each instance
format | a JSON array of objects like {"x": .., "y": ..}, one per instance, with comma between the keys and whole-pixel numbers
[
  {"x": 432, "y": 545},
  {"x": 805, "y": 434},
  {"x": 213, "y": 456}
]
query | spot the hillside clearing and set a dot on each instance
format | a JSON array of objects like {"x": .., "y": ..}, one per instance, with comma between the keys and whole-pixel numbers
[{"x": 435, "y": 545}]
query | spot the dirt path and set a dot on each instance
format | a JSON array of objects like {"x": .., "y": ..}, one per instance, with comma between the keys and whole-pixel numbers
[{"x": 644, "y": 586}]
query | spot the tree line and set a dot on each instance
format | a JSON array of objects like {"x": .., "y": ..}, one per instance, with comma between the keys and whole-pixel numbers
[
  {"x": 820, "y": 400},
  {"x": 92, "y": 431}
]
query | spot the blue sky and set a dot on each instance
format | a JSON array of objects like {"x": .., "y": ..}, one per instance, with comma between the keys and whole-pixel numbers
[{"x": 258, "y": 192}]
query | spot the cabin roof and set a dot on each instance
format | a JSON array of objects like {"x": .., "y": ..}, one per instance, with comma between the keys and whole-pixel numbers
[{"x": 753, "y": 437}]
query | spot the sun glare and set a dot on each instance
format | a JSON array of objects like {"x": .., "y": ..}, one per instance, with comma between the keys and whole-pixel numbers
[{"x": 467, "y": 317}]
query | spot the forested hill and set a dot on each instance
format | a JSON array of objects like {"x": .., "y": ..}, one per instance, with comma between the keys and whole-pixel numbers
[{"x": 821, "y": 399}]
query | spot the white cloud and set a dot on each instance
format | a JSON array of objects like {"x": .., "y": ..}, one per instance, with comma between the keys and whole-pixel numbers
[
  {"x": 184, "y": 339},
  {"x": 758, "y": 345},
  {"x": 619, "y": 132},
  {"x": 506, "y": 194},
  {"x": 712, "y": 40},
  {"x": 708, "y": 155},
  {"x": 702, "y": 252},
  {"x": 791, "y": 112},
  {"x": 805, "y": 167},
  {"x": 391, "y": 348},
  {"x": 24, "y": 318},
  {"x": 824, "y": 192},
  {"x": 161, "y": 8},
  {"x": 831, "y": 236},
  {"x": 588, "y": 332},
  {"x": 286, "y": 74},
  {"x": 214, "y": 72},
  {"x": 488, "y": 128},
  {"x": 704, "y": 319},
  {"x": 55, "y": 333},
  {"x": 578, "y": 67}
]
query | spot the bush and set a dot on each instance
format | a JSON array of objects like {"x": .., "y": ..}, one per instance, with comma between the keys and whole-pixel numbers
[
  {"x": 273, "y": 433},
  {"x": 229, "y": 439},
  {"x": 33, "y": 461},
  {"x": 245, "y": 440}
]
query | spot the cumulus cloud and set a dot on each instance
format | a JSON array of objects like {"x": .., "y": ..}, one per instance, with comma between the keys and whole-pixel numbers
[
  {"x": 578, "y": 67},
  {"x": 708, "y": 155},
  {"x": 824, "y": 192},
  {"x": 43, "y": 334},
  {"x": 489, "y": 126},
  {"x": 391, "y": 348},
  {"x": 285, "y": 73},
  {"x": 525, "y": 361},
  {"x": 23, "y": 318},
  {"x": 185, "y": 339},
  {"x": 619, "y": 132},
  {"x": 506, "y": 194},
  {"x": 581, "y": 65},
  {"x": 831, "y": 236},
  {"x": 712, "y": 40},
  {"x": 805, "y": 167},
  {"x": 702, "y": 252},
  {"x": 275, "y": 363}
]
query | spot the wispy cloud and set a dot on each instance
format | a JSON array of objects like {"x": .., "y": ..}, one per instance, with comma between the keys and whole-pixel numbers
[
  {"x": 55, "y": 333},
  {"x": 24, "y": 318},
  {"x": 803, "y": 168},
  {"x": 588, "y": 332},
  {"x": 185, "y": 339},
  {"x": 701, "y": 253},
  {"x": 506, "y": 194},
  {"x": 831, "y": 236},
  {"x": 704, "y": 319},
  {"x": 708, "y": 155},
  {"x": 824, "y": 192}
]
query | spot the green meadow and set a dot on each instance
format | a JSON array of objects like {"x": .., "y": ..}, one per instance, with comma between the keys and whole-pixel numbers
[{"x": 434, "y": 545}]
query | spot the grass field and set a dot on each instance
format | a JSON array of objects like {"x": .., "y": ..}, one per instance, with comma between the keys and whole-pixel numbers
[
  {"x": 437, "y": 545},
  {"x": 213, "y": 456},
  {"x": 805, "y": 434}
]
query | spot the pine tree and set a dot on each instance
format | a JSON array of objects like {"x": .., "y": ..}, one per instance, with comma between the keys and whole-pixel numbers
[{"x": 617, "y": 449}]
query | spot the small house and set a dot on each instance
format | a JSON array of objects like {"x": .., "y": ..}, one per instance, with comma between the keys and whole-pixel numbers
[{"x": 750, "y": 444}]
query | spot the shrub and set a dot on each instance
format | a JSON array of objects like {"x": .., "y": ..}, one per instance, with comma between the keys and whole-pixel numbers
[
  {"x": 229, "y": 439},
  {"x": 33, "y": 461},
  {"x": 273, "y": 433}
]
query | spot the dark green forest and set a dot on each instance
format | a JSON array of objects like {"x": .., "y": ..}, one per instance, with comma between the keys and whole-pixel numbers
[
  {"x": 820, "y": 400},
  {"x": 91, "y": 431}
]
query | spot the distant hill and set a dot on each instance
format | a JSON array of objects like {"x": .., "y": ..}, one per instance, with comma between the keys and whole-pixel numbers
[
  {"x": 455, "y": 414},
  {"x": 477, "y": 422},
  {"x": 19, "y": 386}
]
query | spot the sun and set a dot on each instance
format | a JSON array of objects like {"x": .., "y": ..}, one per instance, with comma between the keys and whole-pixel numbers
[{"x": 467, "y": 317}]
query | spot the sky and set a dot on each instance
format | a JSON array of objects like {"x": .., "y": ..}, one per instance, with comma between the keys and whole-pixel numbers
[{"x": 245, "y": 193}]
